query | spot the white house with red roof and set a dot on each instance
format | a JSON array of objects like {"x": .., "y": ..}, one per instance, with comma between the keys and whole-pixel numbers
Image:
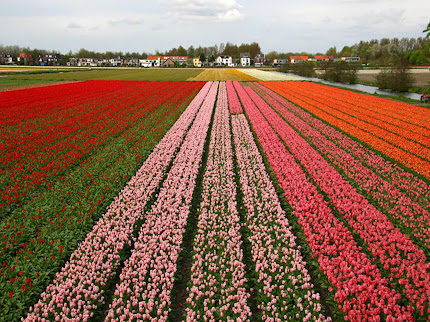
[{"x": 158, "y": 61}]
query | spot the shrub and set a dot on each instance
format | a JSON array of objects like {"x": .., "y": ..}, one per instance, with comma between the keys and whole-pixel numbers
[
  {"x": 340, "y": 71},
  {"x": 398, "y": 79}
]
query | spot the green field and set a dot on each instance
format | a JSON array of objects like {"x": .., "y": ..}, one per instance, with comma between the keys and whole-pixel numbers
[
  {"x": 113, "y": 74},
  {"x": 12, "y": 82}
]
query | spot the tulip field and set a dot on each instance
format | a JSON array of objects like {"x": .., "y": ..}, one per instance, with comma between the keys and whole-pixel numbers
[{"x": 247, "y": 200}]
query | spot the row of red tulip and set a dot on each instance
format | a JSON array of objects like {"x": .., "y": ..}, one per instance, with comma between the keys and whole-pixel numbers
[
  {"x": 98, "y": 256},
  {"x": 217, "y": 289},
  {"x": 359, "y": 287},
  {"x": 146, "y": 280},
  {"x": 36, "y": 218},
  {"x": 62, "y": 143}
]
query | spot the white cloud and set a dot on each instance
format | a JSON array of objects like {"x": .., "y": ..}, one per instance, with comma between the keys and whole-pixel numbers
[
  {"x": 202, "y": 10},
  {"x": 230, "y": 15},
  {"x": 73, "y": 25},
  {"x": 127, "y": 21}
]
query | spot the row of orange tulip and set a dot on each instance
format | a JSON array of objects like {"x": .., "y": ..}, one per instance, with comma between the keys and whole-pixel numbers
[{"x": 409, "y": 153}]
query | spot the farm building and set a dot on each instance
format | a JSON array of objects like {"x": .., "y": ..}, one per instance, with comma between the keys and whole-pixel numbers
[
  {"x": 158, "y": 61},
  {"x": 298, "y": 59},
  {"x": 259, "y": 60},
  {"x": 278, "y": 62},
  {"x": 350, "y": 59},
  {"x": 323, "y": 57},
  {"x": 224, "y": 61},
  {"x": 197, "y": 62},
  {"x": 245, "y": 60}
]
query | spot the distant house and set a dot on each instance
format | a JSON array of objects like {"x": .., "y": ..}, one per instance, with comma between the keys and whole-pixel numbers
[
  {"x": 224, "y": 60},
  {"x": 350, "y": 59},
  {"x": 168, "y": 63},
  {"x": 131, "y": 62},
  {"x": 197, "y": 62},
  {"x": 117, "y": 61},
  {"x": 150, "y": 61},
  {"x": 158, "y": 61},
  {"x": 245, "y": 59},
  {"x": 298, "y": 59},
  {"x": 49, "y": 59},
  {"x": 6, "y": 59},
  {"x": 277, "y": 62},
  {"x": 85, "y": 62},
  {"x": 25, "y": 59},
  {"x": 259, "y": 60},
  {"x": 323, "y": 57}
]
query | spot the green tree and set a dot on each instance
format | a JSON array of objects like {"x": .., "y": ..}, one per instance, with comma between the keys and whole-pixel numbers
[
  {"x": 398, "y": 79},
  {"x": 254, "y": 49},
  {"x": 345, "y": 52},
  {"x": 427, "y": 30},
  {"x": 340, "y": 71},
  {"x": 272, "y": 55},
  {"x": 332, "y": 52},
  {"x": 182, "y": 51},
  {"x": 202, "y": 57},
  {"x": 231, "y": 50},
  {"x": 305, "y": 68},
  {"x": 191, "y": 52}
]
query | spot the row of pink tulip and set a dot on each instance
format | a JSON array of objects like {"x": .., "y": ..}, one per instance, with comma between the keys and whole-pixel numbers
[
  {"x": 146, "y": 280},
  {"x": 414, "y": 188},
  {"x": 284, "y": 286},
  {"x": 359, "y": 288},
  {"x": 233, "y": 100},
  {"x": 395, "y": 251},
  {"x": 79, "y": 287},
  {"x": 217, "y": 288},
  {"x": 389, "y": 197}
]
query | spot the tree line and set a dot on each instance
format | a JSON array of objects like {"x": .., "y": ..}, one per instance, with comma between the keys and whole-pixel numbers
[
  {"x": 386, "y": 52},
  {"x": 383, "y": 52},
  {"x": 208, "y": 52}
]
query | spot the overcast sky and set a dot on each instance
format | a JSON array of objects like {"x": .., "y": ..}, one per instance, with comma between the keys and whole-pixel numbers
[{"x": 147, "y": 26}]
